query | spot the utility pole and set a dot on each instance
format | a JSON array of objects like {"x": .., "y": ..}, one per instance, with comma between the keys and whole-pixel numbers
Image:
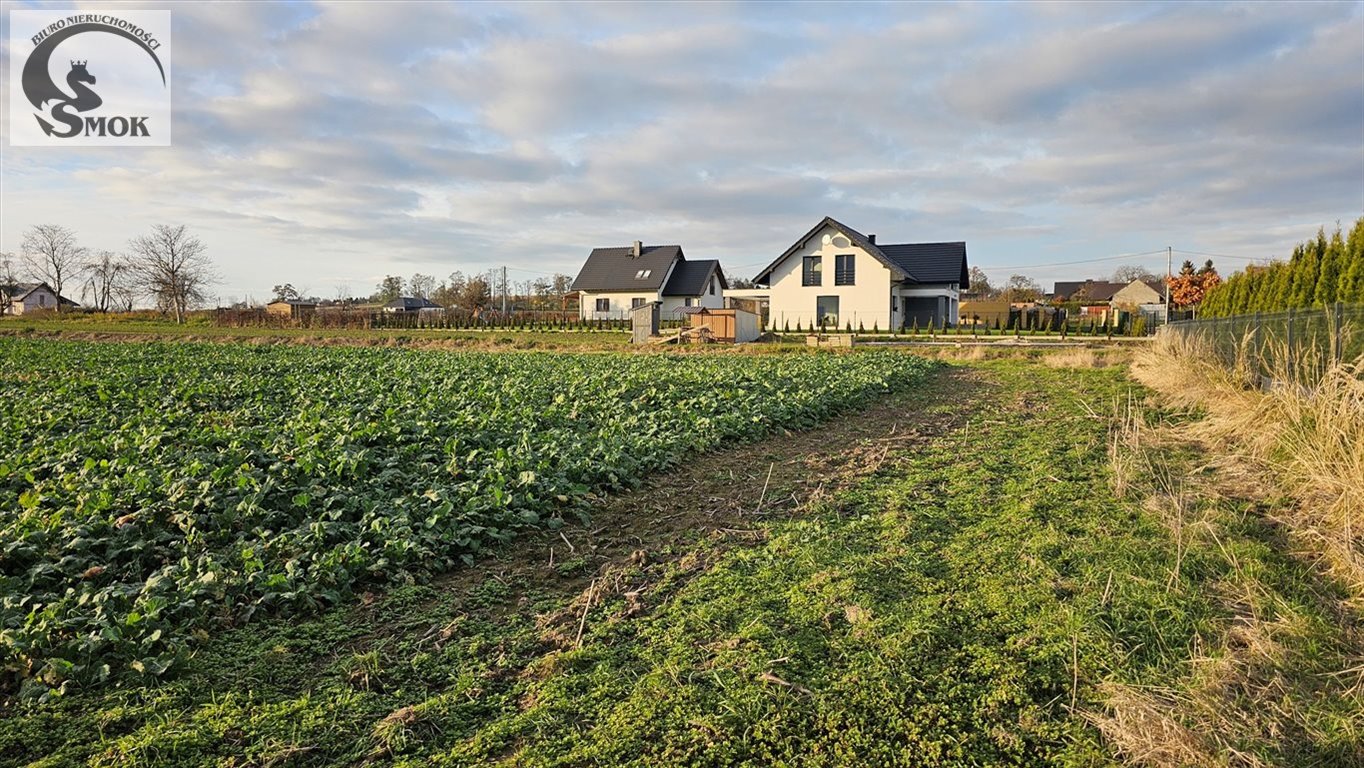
[
  {"x": 1169, "y": 265},
  {"x": 504, "y": 291}
]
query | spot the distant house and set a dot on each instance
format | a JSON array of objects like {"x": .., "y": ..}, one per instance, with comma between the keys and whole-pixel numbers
[
  {"x": 1086, "y": 291},
  {"x": 293, "y": 309},
  {"x": 835, "y": 276},
  {"x": 31, "y": 297},
  {"x": 1137, "y": 293},
  {"x": 615, "y": 280},
  {"x": 412, "y": 304}
]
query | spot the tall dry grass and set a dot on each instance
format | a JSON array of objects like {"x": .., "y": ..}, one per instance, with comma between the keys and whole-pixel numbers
[
  {"x": 1305, "y": 432},
  {"x": 1273, "y": 677}
]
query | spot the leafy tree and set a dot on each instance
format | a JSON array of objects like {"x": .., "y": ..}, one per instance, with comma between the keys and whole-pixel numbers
[
  {"x": 1332, "y": 268},
  {"x": 285, "y": 292},
  {"x": 1319, "y": 272},
  {"x": 1188, "y": 288},
  {"x": 1022, "y": 288},
  {"x": 388, "y": 289},
  {"x": 51, "y": 254},
  {"x": 476, "y": 295}
]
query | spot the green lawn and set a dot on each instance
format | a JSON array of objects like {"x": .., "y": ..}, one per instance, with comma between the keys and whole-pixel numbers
[{"x": 959, "y": 586}]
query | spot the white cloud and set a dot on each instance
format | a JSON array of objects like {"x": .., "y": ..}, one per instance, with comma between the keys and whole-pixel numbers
[{"x": 348, "y": 140}]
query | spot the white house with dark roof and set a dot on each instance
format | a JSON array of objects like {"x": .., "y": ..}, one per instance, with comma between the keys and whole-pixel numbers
[
  {"x": 19, "y": 298},
  {"x": 836, "y": 276},
  {"x": 615, "y": 280}
]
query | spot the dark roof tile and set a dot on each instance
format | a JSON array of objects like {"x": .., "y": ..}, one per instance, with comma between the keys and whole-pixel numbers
[
  {"x": 689, "y": 277},
  {"x": 931, "y": 262},
  {"x": 614, "y": 269}
]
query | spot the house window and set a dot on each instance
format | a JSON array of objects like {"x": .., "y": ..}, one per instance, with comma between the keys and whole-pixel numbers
[
  {"x": 603, "y": 305},
  {"x": 814, "y": 271},
  {"x": 42, "y": 300},
  {"x": 636, "y": 303},
  {"x": 844, "y": 269},
  {"x": 643, "y": 274},
  {"x": 713, "y": 281},
  {"x": 689, "y": 302},
  {"x": 826, "y": 310}
]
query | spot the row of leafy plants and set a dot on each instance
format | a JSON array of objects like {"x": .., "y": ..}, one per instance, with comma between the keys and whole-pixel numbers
[
  {"x": 155, "y": 491},
  {"x": 1320, "y": 272}
]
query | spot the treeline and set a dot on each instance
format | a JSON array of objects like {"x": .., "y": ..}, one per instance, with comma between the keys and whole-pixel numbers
[{"x": 1320, "y": 272}]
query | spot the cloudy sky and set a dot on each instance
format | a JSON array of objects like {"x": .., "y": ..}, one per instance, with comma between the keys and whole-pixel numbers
[{"x": 329, "y": 144}]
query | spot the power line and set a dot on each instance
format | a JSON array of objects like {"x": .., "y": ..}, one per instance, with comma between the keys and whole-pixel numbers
[
  {"x": 1222, "y": 255},
  {"x": 1069, "y": 263}
]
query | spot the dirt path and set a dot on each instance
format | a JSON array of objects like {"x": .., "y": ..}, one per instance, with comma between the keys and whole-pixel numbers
[{"x": 723, "y": 494}]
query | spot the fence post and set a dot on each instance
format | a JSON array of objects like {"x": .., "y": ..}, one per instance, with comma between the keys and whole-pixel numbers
[
  {"x": 1337, "y": 335},
  {"x": 1288, "y": 342},
  {"x": 1255, "y": 347}
]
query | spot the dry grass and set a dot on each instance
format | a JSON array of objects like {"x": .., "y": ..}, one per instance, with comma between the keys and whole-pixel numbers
[
  {"x": 1308, "y": 441},
  {"x": 1140, "y": 726},
  {"x": 1251, "y": 681},
  {"x": 1075, "y": 357}
]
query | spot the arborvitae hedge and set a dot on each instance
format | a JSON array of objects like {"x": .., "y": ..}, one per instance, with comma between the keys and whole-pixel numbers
[{"x": 1321, "y": 271}]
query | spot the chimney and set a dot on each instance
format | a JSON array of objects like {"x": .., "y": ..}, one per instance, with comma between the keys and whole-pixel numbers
[
  {"x": 637, "y": 249},
  {"x": 871, "y": 239}
]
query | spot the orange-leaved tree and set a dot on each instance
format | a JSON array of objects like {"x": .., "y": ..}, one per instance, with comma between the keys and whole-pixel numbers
[{"x": 1188, "y": 288}]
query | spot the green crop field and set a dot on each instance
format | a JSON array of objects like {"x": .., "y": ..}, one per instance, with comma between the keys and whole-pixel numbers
[
  {"x": 155, "y": 492},
  {"x": 226, "y": 555}
]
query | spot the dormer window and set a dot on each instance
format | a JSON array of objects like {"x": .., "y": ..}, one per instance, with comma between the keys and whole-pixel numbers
[{"x": 643, "y": 274}]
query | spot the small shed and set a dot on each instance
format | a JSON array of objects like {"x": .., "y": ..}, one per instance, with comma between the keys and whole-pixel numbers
[
  {"x": 290, "y": 308},
  {"x": 727, "y": 326},
  {"x": 644, "y": 322}
]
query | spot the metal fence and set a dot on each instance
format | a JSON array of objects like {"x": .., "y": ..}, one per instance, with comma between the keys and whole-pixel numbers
[{"x": 1298, "y": 344}]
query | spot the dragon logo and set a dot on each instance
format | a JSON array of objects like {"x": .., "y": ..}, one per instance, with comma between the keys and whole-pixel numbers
[
  {"x": 85, "y": 100},
  {"x": 62, "y": 112}
]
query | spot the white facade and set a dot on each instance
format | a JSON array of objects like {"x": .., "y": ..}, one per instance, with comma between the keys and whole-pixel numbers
[
  {"x": 875, "y": 298},
  {"x": 867, "y": 301},
  {"x": 619, "y": 303},
  {"x": 38, "y": 299}
]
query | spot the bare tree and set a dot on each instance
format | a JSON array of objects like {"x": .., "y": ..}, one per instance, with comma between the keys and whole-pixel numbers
[
  {"x": 8, "y": 281},
  {"x": 51, "y": 254},
  {"x": 107, "y": 281},
  {"x": 1129, "y": 272},
  {"x": 172, "y": 268},
  {"x": 980, "y": 284},
  {"x": 422, "y": 286}
]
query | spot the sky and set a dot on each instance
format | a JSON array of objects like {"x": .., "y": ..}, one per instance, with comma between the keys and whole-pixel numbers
[{"x": 329, "y": 144}]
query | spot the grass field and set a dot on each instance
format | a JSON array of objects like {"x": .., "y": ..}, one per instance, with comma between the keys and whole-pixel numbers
[{"x": 982, "y": 567}]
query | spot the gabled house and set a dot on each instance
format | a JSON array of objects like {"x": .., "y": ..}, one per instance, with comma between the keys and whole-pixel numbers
[
  {"x": 1137, "y": 293},
  {"x": 411, "y": 304},
  {"x": 835, "y": 276},
  {"x": 615, "y": 280},
  {"x": 19, "y": 298},
  {"x": 1086, "y": 291}
]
